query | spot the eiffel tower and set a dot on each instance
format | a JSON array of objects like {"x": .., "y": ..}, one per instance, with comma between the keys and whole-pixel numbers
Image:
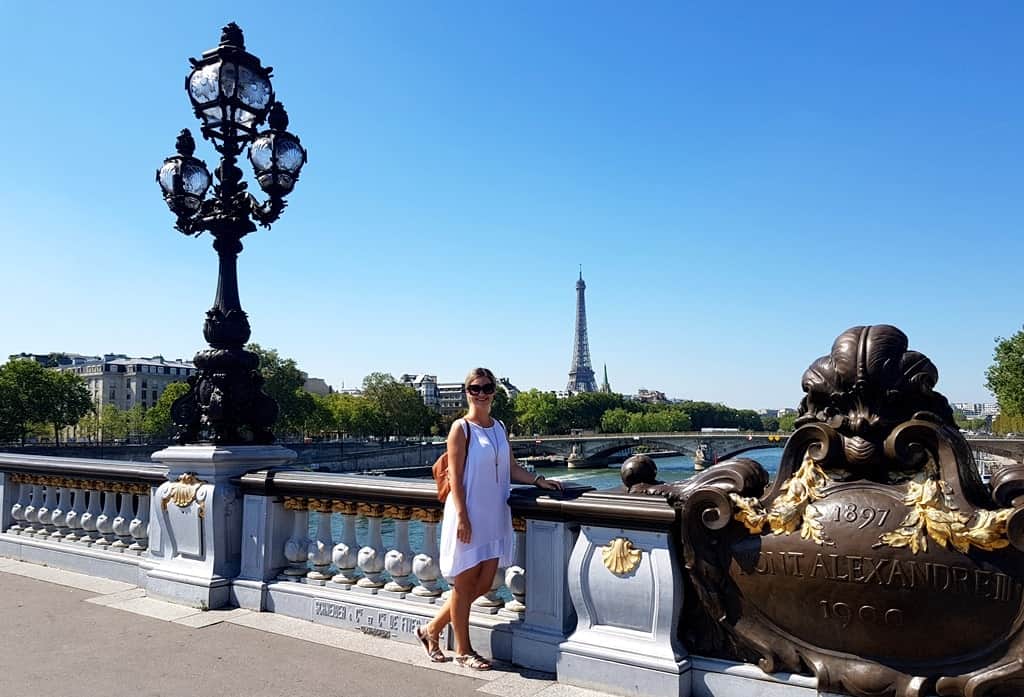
[{"x": 581, "y": 375}]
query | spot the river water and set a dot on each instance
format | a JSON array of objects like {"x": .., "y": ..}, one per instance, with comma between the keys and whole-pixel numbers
[{"x": 670, "y": 469}]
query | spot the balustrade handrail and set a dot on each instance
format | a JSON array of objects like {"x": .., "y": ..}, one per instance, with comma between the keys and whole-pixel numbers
[
  {"x": 588, "y": 506},
  {"x": 83, "y": 467},
  {"x": 390, "y": 490},
  {"x": 576, "y": 503}
]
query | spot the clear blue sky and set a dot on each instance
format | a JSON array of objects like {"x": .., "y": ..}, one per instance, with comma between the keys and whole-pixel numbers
[{"x": 740, "y": 181}]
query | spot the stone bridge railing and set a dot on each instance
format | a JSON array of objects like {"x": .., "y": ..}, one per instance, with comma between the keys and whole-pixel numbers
[
  {"x": 595, "y": 448},
  {"x": 595, "y": 594}
]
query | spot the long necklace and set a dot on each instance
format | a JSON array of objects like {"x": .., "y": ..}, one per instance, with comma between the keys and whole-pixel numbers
[{"x": 494, "y": 440}]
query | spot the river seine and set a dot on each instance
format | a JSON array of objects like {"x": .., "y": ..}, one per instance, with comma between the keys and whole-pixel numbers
[{"x": 670, "y": 469}]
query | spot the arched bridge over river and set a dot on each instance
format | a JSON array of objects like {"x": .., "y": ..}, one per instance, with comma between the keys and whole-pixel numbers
[{"x": 594, "y": 450}]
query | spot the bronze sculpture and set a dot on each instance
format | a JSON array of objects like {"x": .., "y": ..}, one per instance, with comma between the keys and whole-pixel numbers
[{"x": 877, "y": 560}]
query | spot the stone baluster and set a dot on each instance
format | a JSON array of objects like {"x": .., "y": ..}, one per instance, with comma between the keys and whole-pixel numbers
[
  {"x": 58, "y": 516},
  {"x": 425, "y": 564},
  {"x": 139, "y": 527},
  {"x": 72, "y": 519},
  {"x": 44, "y": 513},
  {"x": 346, "y": 553},
  {"x": 515, "y": 575},
  {"x": 398, "y": 561},
  {"x": 296, "y": 547},
  {"x": 32, "y": 511},
  {"x": 105, "y": 521},
  {"x": 19, "y": 508},
  {"x": 319, "y": 551},
  {"x": 123, "y": 520},
  {"x": 89, "y": 518},
  {"x": 371, "y": 555}
]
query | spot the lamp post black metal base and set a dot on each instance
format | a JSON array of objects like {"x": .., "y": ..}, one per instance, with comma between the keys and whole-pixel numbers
[{"x": 225, "y": 404}]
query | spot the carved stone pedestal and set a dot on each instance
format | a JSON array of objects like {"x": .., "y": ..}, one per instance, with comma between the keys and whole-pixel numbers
[
  {"x": 195, "y": 537},
  {"x": 627, "y": 598}
]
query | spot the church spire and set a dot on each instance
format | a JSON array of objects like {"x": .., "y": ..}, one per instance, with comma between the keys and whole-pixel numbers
[{"x": 605, "y": 387}]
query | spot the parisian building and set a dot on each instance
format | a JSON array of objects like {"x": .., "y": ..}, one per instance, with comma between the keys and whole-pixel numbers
[{"x": 126, "y": 382}]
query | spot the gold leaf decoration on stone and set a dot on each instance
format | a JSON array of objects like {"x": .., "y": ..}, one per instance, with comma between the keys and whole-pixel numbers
[
  {"x": 295, "y": 503},
  {"x": 182, "y": 493},
  {"x": 619, "y": 557},
  {"x": 319, "y": 505},
  {"x": 428, "y": 515},
  {"x": 791, "y": 510},
  {"x": 344, "y": 507},
  {"x": 934, "y": 513}
]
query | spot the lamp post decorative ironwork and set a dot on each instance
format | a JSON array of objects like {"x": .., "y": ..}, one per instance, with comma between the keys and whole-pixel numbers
[{"x": 232, "y": 96}]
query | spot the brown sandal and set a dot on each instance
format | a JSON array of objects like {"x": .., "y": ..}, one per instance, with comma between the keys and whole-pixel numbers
[
  {"x": 474, "y": 661},
  {"x": 434, "y": 654}
]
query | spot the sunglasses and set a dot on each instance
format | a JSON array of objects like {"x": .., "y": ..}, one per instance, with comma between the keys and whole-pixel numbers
[{"x": 477, "y": 389}]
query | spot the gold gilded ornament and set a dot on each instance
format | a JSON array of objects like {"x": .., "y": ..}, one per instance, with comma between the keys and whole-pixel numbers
[
  {"x": 792, "y": 509},
  {"x": 619, "y": 557},
  {"x": 934, "y": 514},
  {"x": 182, "y": 493}
]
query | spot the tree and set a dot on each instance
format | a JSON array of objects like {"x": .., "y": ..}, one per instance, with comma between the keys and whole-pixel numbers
[
  {"x": 537, "y": 412},
  {"x": 157, "y": 421},
  {"x": 615, "y": 421},
  {"x": 787, "y": 422},
  {"x": 283, "y": 382},
  {"x": 399, "y": 407},
  {"x": 26, "y": 393},
  {"x": 69, "y": 401},
  {"x": 1005, "y": 377},
  {"x": 504, "y": 409},
  {"x": 585, "y": 410},
  {"x": 113, "y": 422}
]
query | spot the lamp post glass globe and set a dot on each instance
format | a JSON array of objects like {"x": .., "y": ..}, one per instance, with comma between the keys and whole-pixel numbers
[
  {"x": 277, "y": 156},
  {"x": 229, "y": 89},
  {"x": 184, "y": 181}
]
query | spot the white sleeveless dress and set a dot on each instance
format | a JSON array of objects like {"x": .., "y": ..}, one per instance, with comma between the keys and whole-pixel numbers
[{"x": 486, "y": 481}]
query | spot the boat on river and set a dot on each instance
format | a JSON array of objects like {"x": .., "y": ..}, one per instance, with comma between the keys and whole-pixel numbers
[{"x": 703, "y": 457}]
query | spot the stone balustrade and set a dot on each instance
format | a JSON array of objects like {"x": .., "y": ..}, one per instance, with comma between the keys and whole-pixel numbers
[
  {"x": 594, "y": 593},
  {"x": 86, "y": 515}
]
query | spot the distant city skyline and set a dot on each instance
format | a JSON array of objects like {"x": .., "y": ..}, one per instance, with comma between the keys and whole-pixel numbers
[{"x": 740, "y": 183}]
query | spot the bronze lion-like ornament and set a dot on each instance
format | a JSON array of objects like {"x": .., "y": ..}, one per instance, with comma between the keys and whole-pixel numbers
[{"x": 876, "y": 560}]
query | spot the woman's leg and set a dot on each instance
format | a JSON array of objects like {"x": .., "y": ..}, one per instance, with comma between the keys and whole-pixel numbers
[
  {"x": 462, "y": 597},
  {"x": 477, "y": 581}
]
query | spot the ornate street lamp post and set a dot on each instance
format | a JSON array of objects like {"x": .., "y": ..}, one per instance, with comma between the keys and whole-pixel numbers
[{"x": 232, "y": 96}]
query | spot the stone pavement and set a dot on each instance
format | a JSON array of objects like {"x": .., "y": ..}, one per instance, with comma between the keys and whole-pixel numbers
[{"x": 65, "y": 633}]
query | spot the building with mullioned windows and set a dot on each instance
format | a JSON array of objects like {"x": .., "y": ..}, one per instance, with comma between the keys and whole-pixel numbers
[{"x": 126, "y": 382}]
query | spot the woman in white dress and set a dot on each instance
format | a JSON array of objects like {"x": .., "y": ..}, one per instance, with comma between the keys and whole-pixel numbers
[{"x": 476, "y": 532}]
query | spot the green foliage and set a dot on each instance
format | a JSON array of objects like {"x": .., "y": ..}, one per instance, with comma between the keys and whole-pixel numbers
[
  {"x": 31, "y": 395},
  {"x": 1005, "y": 377},
  {"x": 157, "y": 421},
  {"x": 69, "y": 402},
  {"x": 283, "y": 382},
  {"x": 787, "y": 422},
  {"x": 1004, "y": 424},
  {"x": 399, "y": 409},
  {"x": 113, "y": 423},
  {"x": 504, "y": 409},
  {"x": 537, "y": 412}
]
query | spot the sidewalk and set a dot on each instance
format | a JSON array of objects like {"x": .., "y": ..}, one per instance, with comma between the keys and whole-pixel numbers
[{"x": 67, "y": 633}]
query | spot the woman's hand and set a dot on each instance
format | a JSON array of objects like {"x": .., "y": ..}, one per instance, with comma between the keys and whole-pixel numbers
[
  {"x": 545, "y": 483},
  {"x": 464, "y": 530}
]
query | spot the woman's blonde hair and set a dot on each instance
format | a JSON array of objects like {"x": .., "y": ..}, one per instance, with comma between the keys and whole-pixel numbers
[{"x": 478, "y": 373}]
